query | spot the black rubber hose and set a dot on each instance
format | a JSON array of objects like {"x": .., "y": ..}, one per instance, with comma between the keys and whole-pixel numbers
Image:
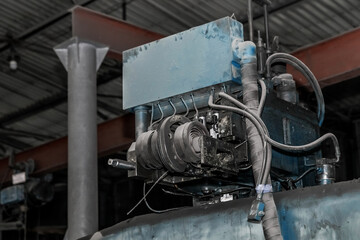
[
  {"x": 267, "y": 147},
  {"x": 265, "y": 169},
  {"x": 299, "y": 65},
  {"x": 300, "y": 148}
]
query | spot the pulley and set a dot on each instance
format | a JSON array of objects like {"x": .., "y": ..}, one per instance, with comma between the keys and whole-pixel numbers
[
  {"x": 167, "y": 151},
  {"x": 187, "y": 141},
  {"x": 144, "y": 151}
]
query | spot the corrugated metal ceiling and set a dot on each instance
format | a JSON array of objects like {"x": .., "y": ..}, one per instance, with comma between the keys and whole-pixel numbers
[{"x": 41, "y": 77}]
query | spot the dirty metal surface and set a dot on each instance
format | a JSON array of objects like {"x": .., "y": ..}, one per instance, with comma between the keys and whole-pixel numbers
[
  {"x": 222, "y": 155},
  {"x": 184, "y": 62},
  {"x": 291, "y": 124},
  {"x": 320, "y": 212}
]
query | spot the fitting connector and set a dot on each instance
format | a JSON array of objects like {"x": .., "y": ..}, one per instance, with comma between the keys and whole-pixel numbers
[{"x": 257, "y": 210}]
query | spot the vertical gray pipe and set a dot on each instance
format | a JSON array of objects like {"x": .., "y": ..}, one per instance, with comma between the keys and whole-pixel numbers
[
  {"x": 270, "y": 222},
  {"x": 267, "y": 35},
  {"x": 82, "y": 60},
  {"x": 250, "y": 20},
  {"x": 141, "y": 120}
]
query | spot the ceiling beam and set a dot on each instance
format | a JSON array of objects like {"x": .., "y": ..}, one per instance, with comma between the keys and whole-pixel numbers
[
  {"x": 38, "y": 28},
  {"x": 113, "y": 136},
  {"x": 115, "y": 33},
  {"x": 332, "y": 61}
]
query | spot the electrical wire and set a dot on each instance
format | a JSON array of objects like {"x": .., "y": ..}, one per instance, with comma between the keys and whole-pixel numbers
[
  {"x": 289, "y": 179},
  {"x": 304, "y": 174},
  {"x": 299, "y": 148},
  {"x": 263, "y": 97},
  {"x": 309, "y": 146},
  {"x": 245, "y": 168},
  {"x": 176, "y": 194},
  {"x": 240, "y": 144},
  {"x": 154, "y": 210},
  {"x": 145, "y": 195},
  {"x": 184, "y": 191},
  {"x": 267, "y": 147},
  {"x": 308, "y": 75},
  {"x": 256, "y": 120},
  {"x": 300, "y": 66},
  {"x": 215, "y": 192}
]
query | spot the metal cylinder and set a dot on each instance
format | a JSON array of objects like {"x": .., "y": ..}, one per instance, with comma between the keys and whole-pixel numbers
[
  {"x": 326, "y": 174},
  {"x": 285, "y": 87},
  {"x": 81, "y": 60},
  {"x": 266, "y": 23},
  {"x": 250, "y": 20},
  {"x": 141, "y": 120}
]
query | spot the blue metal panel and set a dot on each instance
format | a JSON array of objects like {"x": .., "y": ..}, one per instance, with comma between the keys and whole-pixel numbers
[
  {"x": 320, "y": 212},
  {"x": 187, "y": 61},
  {"x": 302, "y": 129}
]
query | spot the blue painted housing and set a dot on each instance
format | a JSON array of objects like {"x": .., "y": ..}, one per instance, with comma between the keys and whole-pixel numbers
[
  {"x": 184, "y": 62},
  {"x": 327, "y": 212}
]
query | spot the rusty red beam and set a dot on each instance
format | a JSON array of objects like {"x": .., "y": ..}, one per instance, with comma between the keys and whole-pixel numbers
[
  {"x": 113, "y": 136},
  {"x": 332, "y": 61},
  {"x": 118, "y": 35}
]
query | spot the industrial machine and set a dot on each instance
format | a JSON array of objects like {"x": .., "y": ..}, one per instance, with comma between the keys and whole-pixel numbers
[
  {"x": 24, "y": 193},
  {"x": 218, "y": 118}
]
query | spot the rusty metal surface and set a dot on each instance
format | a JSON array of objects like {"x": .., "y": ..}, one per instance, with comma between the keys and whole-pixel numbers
[
  {"x": 115, "y": 33},
  {"x": 113, "y": 136},
  {"x": 331, "y": 61},
  {"x": 320, "y": 212}
]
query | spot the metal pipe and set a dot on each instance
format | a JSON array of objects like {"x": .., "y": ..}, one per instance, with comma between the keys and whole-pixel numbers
[
  {"x": 266, "y": 23},
  {"x": 250, "y": 19},
  {"x": 124, "y": 3},
  {"x": 82, "y": 60},
  {"x": 141, "y": 120}
]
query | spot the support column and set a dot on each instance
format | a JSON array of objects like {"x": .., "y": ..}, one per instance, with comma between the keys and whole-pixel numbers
[
  {"x": 356, "y": 158},
  {"x": 82, "y": 59}
]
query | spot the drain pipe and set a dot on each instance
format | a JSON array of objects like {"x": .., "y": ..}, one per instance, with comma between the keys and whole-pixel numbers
[
  {"x": 245, "y": 52},
  {"x": 82, "y": 59}
]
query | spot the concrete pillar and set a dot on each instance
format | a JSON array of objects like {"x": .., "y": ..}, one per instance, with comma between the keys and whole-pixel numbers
[{"x": 82, "y": 59}]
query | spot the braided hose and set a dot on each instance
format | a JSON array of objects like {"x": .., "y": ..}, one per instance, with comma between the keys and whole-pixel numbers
[{"x": 270, "y": 222}]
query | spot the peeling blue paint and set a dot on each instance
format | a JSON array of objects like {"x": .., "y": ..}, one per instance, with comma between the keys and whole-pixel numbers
[
  {"x": 184, "y": 62},
  {"x": 329, "y": 212}
]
